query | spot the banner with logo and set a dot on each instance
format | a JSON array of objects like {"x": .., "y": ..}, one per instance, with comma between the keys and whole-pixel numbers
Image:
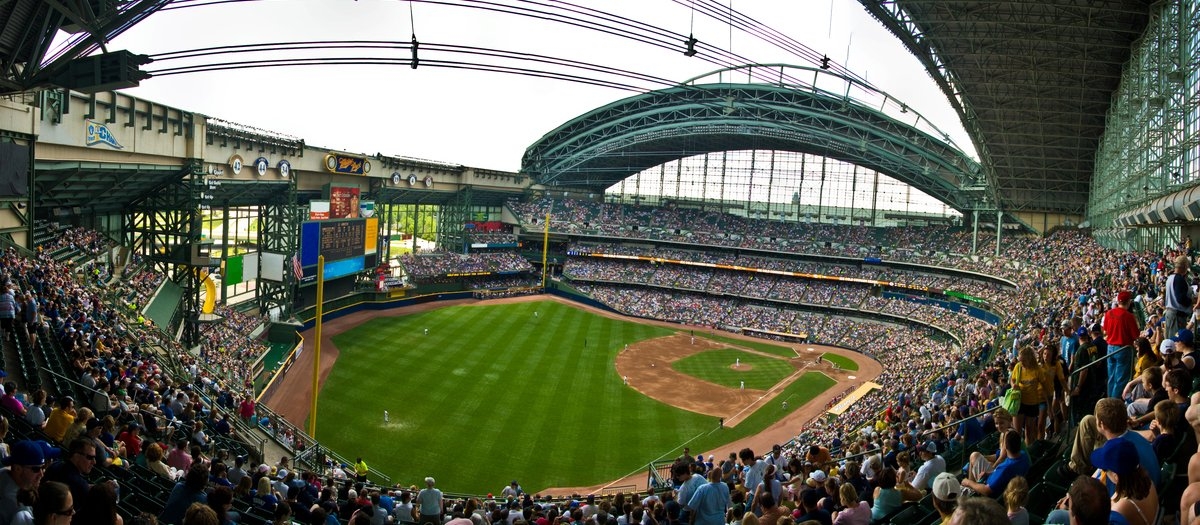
[{"x": 366, "y": 209}]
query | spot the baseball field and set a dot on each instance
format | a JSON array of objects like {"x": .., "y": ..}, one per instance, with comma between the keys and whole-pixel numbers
[{"x": 544, "y": 393}]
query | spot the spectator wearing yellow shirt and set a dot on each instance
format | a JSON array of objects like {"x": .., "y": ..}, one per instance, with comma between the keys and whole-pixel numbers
[
  {"x": 61, "y": 418},
  {"x": 360, "y": 470}
]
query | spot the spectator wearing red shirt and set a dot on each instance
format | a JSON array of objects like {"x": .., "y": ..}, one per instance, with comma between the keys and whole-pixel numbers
[
  {"x": 132, "y": 438},
  {"x": 1120, "y": 330}
]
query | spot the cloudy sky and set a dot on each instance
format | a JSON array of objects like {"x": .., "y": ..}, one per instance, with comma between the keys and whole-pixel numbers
[{"x": 478, "y": 118}]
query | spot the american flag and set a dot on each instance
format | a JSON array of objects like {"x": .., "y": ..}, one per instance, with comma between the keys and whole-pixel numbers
[{"x": 296, "y": 268}]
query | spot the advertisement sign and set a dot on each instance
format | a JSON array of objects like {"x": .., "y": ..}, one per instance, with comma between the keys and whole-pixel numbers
[
  {"x": 343, "y": 202},
  {"x": 347, "y": 164},
  {"x": 366, "y": 209},
  {"x": 372, "y": 236},
  {"x": 318, "y": 210}
]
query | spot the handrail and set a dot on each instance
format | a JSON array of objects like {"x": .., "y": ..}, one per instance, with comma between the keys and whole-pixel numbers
[{"x": 92, "y": 391}]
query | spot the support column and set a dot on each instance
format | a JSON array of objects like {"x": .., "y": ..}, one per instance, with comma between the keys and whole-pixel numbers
[
  {"x": 974, "y": 232},
  {"x": 224, "y": 248},
  {"x": 999, "y": 216}
]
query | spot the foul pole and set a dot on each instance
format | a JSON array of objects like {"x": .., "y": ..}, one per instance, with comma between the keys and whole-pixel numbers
[
  {"x": 312, "y": 411},
  {"x": 545, "y": 247}
]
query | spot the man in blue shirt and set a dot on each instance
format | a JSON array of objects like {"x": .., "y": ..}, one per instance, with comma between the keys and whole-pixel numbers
[
  {"x": 1015, "y": 463},
  {"x": 709, "y": 503},
  {"x": 1068, "y": 343}
]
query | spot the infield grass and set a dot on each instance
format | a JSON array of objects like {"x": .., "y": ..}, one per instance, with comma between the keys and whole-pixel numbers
[
  {"x": 493, "y": 394},
  {"x": 716, "y": 366}
]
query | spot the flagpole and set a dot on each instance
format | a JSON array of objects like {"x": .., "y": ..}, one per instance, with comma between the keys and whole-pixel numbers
[{"x": 312, "y": 412}]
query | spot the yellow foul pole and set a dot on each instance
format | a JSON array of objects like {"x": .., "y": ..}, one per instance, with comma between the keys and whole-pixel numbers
[
  {"x": 312, "y": 412},
  {"x": 545, "y": 247}
]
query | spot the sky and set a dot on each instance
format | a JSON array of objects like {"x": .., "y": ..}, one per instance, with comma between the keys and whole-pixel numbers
[{"x": 475, "y": 118}]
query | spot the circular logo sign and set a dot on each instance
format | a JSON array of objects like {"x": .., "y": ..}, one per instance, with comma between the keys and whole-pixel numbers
[
  {"x": 285, "y": 169},
  {"x": 261, "y": 165},
  {"x": 412, "y": 179},
  {"x": 235, "y": 164},
  {"x": 395, "y": 179},
  {"x": 331, "y": 162},
  {"x": 429, "y": 181}
]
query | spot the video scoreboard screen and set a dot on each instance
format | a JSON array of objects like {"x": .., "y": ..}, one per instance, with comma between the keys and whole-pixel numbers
[
  {"x": 348, "y": 246},
  {"x": 342, "y": 239}
]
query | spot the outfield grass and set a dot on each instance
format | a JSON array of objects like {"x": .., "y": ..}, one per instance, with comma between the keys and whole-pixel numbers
[
  {"x": 714, "y": 366},
  {"x": 493, "y": 394},
  {"x": 843, "y": 362}
]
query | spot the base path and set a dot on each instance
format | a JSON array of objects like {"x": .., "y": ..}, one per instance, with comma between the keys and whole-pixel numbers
[{"x": 292, "y": 394}]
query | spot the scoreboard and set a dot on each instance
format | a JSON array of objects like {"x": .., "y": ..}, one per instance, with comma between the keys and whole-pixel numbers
[
  {"x": 348, "y": 246},
  {"x": 342, "y": 239}
]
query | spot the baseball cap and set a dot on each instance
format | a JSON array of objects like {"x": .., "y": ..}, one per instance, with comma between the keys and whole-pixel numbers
[
  {"x": 1117, "y": 455},
  {"x": 94, "y": 423},
  {"x": 817, "y": 476},
  {"x": 1096, "y": 327},
  {"x": 1081, "y": 332},
  {"x": 29, "y": 453},
  {"x": 1183, "y": 336},
  {"x": 930, "y": 447},
  {"x": 1125, "y": 296},
  {"x": 946, "y": 487},
  {"x": 1167, "y": 346}
]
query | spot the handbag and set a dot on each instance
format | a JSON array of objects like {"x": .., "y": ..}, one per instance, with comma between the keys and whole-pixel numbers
[{"x": 1012, "y": 398}]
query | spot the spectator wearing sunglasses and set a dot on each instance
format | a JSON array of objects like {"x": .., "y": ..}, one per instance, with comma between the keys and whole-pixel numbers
[{"x": 25, "y": 468}]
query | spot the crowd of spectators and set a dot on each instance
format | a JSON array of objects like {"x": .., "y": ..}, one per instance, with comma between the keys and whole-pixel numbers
[
  {"x": 932, "y": 386},
  {"x": 1067, "y": 290},
  {"x": 439, "y": 264}
]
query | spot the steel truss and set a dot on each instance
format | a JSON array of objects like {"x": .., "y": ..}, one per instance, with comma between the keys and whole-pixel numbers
[
  {"x": 162, "y": 225},
  {"x": 1152, "y": 138},
  {"x": 604, "y": 146}
]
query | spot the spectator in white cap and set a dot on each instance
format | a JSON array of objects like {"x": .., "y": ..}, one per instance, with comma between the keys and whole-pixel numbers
[{"x": 945, "y": 495}]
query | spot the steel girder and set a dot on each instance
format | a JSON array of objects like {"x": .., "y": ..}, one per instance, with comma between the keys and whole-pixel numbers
[
  {"x": 29, "y": 27},
  {"x": 163, "y": 226},
  {"x": 452, "y": 217},
  {"x": 279, "y": 233},
  {"x": 602, "y": 147},
  {"x": 1151, "y": 146},
  {"x": 1029, "y": 80}
]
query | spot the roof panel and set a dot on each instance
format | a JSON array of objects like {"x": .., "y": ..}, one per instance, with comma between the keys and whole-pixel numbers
[{"x": 1035, "y": 79}]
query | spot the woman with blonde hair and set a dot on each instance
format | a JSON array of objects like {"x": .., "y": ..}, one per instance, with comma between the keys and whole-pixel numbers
[
  {"x": 154, "y": 462},
  {"x": 1015, "y": 496},
  {"x": 856, "y": 512},
  {"x": 79, "y": 425},
  {"x": 1029, "y": 377}
]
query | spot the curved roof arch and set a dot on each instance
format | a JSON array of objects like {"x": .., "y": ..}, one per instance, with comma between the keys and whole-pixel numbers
[
  {"x": 600, "y": 148},
  {"x": 1032, "y": 83}
]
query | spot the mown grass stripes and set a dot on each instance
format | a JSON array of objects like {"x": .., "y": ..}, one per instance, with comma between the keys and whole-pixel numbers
[{"x": 493, "y": 394}]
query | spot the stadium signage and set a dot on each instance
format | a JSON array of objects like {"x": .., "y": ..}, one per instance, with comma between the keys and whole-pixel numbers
[
  {"x": 347, "y": 164},
  {"x": 98, "y": 133},
  {"x": 235, "y": 164},
  {"x": 261, "y": 165},
  {"x": 285, "y": 169},
  {"x": 467, "y": 274}
]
